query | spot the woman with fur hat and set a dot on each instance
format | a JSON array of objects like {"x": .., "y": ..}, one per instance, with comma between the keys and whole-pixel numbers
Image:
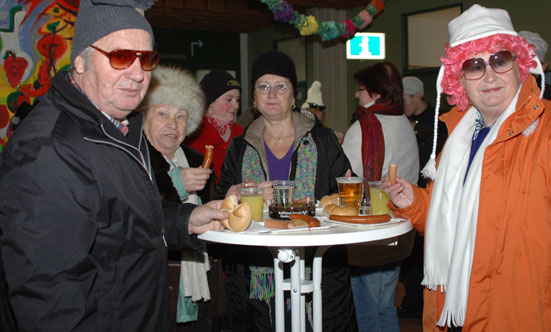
[
  {"x": 173, "y": 108},
  {"x": 285, "y": 145},
  {"x": 222, "y": 94},
  {"x": 486, "y": 215}
]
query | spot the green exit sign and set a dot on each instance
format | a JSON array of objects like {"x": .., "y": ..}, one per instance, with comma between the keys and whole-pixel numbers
[{"x": 366, "y": 45}]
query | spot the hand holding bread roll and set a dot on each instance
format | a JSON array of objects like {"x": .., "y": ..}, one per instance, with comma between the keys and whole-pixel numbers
[{"x": 240, "y": 214}]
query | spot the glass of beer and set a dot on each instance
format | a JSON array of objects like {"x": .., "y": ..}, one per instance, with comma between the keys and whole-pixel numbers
[
  {"x": 379, "y": 199},
  {"x": 284, "y": 192},
  {"x": 350, "y": 191},
  {"x": 255, "y": 198}
]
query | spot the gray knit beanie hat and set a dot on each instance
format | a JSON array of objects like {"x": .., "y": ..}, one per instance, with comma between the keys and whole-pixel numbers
[
  {"x": 98, "y": 18},
  {"x": 176, "y": 87}
]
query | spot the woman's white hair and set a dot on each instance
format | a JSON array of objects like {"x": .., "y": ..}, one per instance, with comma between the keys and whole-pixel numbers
[{"x": 176, "y": 87}]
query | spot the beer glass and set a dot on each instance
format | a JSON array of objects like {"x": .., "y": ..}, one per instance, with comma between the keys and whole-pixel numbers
[{"x": 350, "y": 191}]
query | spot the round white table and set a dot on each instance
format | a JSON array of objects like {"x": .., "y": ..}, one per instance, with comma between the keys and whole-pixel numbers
[{"x": 288, "y": 247}]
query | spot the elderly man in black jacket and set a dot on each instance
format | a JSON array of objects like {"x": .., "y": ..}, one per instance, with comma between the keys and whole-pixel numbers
[{"x": 84, "y": 234}]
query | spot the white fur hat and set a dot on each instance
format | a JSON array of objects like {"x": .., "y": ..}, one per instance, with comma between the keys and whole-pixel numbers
[
  {"x": 314, "y": 96},
  {"x": 176, "y": 87},
  {"x": 535, "y": 38}
]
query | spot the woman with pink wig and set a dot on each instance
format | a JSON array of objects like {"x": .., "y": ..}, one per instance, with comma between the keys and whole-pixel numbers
[{"x": 487, "y": 214}]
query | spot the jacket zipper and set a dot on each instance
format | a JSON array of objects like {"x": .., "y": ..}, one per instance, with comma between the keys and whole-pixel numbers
[{"x": 141, "y": 162}]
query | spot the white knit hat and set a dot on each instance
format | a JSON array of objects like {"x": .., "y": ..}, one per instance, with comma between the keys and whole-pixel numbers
[
  {"x": 535, "y": 39},
  {"x": 176, "y": 87},
  {"x": 314, "y": 96},
  {"x": 475, "y": 23}
]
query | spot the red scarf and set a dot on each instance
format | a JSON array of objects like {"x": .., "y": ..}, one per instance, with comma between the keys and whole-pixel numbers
[{"x": 373, "y": 142}]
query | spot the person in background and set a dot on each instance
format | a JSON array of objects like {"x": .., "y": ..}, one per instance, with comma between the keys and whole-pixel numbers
[
  {"x": 173, "y": 108},
  {"x": 535, "y": 39},
  {"x": 314, "y": 107},
  {"x": 421, "y": 115},
  {"x": 314, "y": 103},
  {"x": 381, "y": 134},
  {"x": 486, "y": 215},
  {"x": 222, "y": 94},
  {"x": 285, "y": 145},
  {"x": 84, "y": 233}
]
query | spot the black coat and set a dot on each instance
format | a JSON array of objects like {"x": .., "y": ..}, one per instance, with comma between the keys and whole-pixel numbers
[
  {"x": 332, "y": 162},
  {"x": 424, "y": 132},
  {"x": 161, "y": 167},
  {"x": 84, "y": 233}
]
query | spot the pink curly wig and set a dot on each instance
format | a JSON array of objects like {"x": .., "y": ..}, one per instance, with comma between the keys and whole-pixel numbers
[{"x": 455, "y": 56}]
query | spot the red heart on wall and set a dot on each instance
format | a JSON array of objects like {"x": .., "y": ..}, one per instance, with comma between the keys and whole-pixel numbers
[{"x": 14, "y": 67}]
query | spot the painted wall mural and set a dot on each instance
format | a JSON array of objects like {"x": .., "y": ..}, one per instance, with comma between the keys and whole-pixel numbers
[{"x": 35, "y": 43}]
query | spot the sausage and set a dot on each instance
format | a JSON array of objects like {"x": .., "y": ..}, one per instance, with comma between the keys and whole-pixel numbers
[
  {"x": 281, "y": 224},
  {"x": 392, "y": 170},
  {"x": 362, "y": 219},
  {"x": 310, "y": 221},
  {"x": 207, "y": 160}
]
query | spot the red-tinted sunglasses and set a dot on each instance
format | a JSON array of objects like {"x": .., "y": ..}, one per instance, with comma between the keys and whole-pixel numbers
[{"x": 122, "y": 59}]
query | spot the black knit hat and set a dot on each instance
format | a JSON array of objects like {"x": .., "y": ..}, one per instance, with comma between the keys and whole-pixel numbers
[
  {"x": 216, "y": 83},
  {"x": 276, "y": 63},
  {"x": 99, "y": 18}
]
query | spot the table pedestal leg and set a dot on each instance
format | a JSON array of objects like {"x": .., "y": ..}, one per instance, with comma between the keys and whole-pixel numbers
[
  {"x": 316, "y": 298},
  {"x": 298, "y": 287}
]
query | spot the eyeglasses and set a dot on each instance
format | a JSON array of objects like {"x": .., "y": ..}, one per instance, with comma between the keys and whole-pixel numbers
[
  {"x": 314, "y": 105},
  {"x": 122, "y": 59},
  {"x": 501, "y": 62},
  {"x": 279, "y": 88}
]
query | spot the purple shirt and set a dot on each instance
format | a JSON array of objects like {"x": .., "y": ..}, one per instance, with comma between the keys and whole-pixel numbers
[{"x": 278, "y": 168}]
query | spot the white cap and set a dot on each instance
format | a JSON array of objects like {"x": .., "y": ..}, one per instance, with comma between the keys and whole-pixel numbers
[
  {"x": 478, "y": 22},
  {"x": 535, "y": 38},
  {"x": 314, "y": 95},
  {"x": 413, "y": 85}
]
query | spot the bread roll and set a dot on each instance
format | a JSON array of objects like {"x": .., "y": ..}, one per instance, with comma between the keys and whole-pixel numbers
[
  {"x": 345, "y": 211},
  {"x": 329, "y": 199},
  {"x": 229, "y": 203},
  {"x": 240, "y": 214},
  {"x": 240, "y": 218},
  {"x": 327, "y": 210}
]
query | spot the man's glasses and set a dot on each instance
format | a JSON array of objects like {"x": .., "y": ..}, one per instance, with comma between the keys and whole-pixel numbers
[
  {"x": 122, "y": 59},
  {"x": 279, "y": 88},
  {"x": 501, "y": 62},
  {"x": 314, "y": 105}
]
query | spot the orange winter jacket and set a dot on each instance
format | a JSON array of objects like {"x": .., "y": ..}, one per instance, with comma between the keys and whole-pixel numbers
[{"x": 510, "y": 283}]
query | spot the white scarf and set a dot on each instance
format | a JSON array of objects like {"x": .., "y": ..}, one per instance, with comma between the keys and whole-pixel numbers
[{"x": 453, "y": 212}]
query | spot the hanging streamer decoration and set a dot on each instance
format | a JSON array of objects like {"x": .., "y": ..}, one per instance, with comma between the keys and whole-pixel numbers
[{"x": 308, "y": 25}]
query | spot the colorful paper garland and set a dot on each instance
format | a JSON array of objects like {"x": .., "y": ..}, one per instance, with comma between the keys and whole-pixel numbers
[{"x": 327, "y": 30}]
